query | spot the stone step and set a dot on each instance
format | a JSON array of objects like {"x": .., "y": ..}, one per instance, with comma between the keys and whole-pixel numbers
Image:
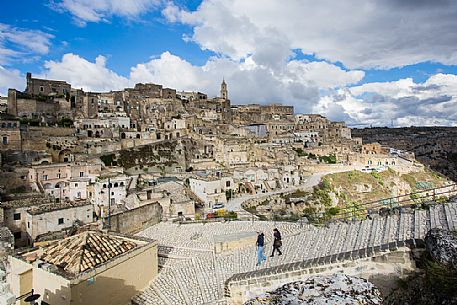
[{"x": 450, "y": 216}]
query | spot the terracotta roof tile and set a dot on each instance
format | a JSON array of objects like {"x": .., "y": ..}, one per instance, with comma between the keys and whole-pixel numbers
[{"x": 85, "y": 251}]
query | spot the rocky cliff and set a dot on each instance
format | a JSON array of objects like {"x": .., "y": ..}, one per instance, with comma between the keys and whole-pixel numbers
[
  {"x": 336, "y": 289},
  {"x": 436, "y": 281}
]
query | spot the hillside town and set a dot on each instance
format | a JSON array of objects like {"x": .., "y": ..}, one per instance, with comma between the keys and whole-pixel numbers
[{"x": 119, "y": 197}]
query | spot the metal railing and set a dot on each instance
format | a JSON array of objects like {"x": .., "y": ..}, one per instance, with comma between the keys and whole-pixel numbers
[{"x": 417, "y": 198}]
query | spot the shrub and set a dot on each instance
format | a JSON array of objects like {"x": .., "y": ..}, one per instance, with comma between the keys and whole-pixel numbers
[
  {"x": 231, "y": 215},
  {"x": 333, "y": 211},
  {"x": 331, "y": 159},
  {"x": 65, "y": 122}
]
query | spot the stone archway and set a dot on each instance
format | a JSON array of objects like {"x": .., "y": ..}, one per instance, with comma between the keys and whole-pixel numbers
[{"x": 65, "y": 155}]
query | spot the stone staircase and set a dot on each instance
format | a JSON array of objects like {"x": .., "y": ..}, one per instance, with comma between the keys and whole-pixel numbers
[{"x": 200, "y": 278}]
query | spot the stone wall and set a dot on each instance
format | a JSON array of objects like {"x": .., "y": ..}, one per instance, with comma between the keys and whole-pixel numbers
[
  {"x": 381, "y": 265},
  {"x": 137, "y": 219},
  {"x": 234, "y": 241},
  {"x": 6, "y": 243}
]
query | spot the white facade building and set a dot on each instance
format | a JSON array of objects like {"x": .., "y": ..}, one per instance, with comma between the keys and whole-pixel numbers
[{"x": 212, "y": 192}]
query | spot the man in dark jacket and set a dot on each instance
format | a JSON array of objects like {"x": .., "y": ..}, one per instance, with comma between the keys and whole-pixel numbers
[
  {"x": 277, "y": 242},
  {"x": 260, "y": 244}
]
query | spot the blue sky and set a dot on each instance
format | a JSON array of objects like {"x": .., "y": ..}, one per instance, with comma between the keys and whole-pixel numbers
[{"x": 324, "y": 57}]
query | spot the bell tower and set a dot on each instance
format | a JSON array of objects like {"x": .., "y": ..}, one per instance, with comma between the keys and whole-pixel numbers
[{"x": 224, "y": 92}]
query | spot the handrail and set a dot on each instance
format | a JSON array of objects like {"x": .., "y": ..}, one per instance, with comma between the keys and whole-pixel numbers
[{"x": 393, "y": 202}]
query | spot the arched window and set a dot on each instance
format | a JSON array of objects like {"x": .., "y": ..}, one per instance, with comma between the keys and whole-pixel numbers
[
  {"x": 104, "y": 186},
  {"x": 116, "y": 184}
]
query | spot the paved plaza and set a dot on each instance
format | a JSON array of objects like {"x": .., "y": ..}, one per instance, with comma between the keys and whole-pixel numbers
[{"x": 192, "y": 273}]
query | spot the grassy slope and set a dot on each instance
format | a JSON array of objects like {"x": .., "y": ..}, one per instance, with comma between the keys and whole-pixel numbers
[{"x": 383, "y": 185}]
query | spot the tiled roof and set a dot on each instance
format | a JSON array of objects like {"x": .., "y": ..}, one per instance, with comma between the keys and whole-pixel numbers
[
  {"x": 44, "y": 208},
  {"x": 85, "y": 251}
]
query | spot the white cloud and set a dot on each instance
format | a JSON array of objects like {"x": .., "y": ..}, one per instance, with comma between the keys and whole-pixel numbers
[
  {"x": 358, "y": 33},
  {"x": 81, "y": 73},
  {"x": 10, "y": 79},
  {"x": 296, "y": 82},
  {"x": 16, "y": 43},
  {"x": 403, "y": 103},
  {"x": 322, "y": 74},
  {"x": 396, "y": 89},
  {"x": 84, "y": 11},
  {"x": 299, "y": 83}
]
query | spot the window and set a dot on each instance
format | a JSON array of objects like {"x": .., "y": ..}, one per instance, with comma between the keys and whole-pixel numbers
[
  {"x": 81, "y": 174},
  {"x": 60, "y": 221},
  {"x": 58, "y": 176},
  {"x": 28, "y": 224},
  {"x": 17, "y": 216},
  {"x": 41, "y": 88},
  {"x": 5, "y": 140},
  {"x": 227, "y": 183},
  {"x": 76, "y": 184},
  {"x": 45, "y": 177}
]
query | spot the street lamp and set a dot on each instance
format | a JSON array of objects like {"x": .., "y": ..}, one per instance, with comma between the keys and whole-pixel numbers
[
  {"x": 109, "y": 203},
  {"x": 31, "y": 297}
]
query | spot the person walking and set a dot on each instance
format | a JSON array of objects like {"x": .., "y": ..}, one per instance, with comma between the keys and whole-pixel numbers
[
  {"x": 260, "y": 244},
  {"x": 277, "y": 242}
]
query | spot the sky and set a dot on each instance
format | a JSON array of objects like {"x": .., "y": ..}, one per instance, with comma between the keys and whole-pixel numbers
[{"x": 366, "y": 62}]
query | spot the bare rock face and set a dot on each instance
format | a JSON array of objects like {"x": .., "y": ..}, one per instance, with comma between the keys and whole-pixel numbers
[
  {"x": 442, "y": 246},
  {"x": 337, "y": 289}
]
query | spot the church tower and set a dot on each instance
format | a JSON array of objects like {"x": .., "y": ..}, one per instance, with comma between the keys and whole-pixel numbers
[{"x": 224, "y": 92}]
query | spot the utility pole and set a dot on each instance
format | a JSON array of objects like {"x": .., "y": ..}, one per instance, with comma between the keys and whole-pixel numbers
[{"x": 109, "y": 203}]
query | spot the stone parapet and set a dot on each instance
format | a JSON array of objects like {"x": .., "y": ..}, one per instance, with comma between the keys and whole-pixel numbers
[{"x": 392, "y": 260}]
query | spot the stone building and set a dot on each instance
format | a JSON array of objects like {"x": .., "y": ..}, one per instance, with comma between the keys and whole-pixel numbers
[
  {"x": 37, "y": 86},
  {"x": 211, "y": 191},
  {"x": 89, "y": 268},
  {"x": 54, "y": 217},
  {"x": 64, "y": 181},
  {"x": 10, "y": 134},
  {"x": 224, "y": 91},
  {"x": 90, "y": 104},
  {"x": 255, "y": 113},
  {"x": 107, "y": 125},
  {"x": 28, "y": 218},
  {"x": 110, "y": 190},
  {"x": 191, "y": 96},
  {"x": 373, "y": 149},
  {"x": 173, "y": 198},
  {"x": 259, "y": 130},
  {"x": 3, "y": 104}
]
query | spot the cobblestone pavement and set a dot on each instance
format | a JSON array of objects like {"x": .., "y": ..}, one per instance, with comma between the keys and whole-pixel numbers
[{"x": 191, "y": 272}]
